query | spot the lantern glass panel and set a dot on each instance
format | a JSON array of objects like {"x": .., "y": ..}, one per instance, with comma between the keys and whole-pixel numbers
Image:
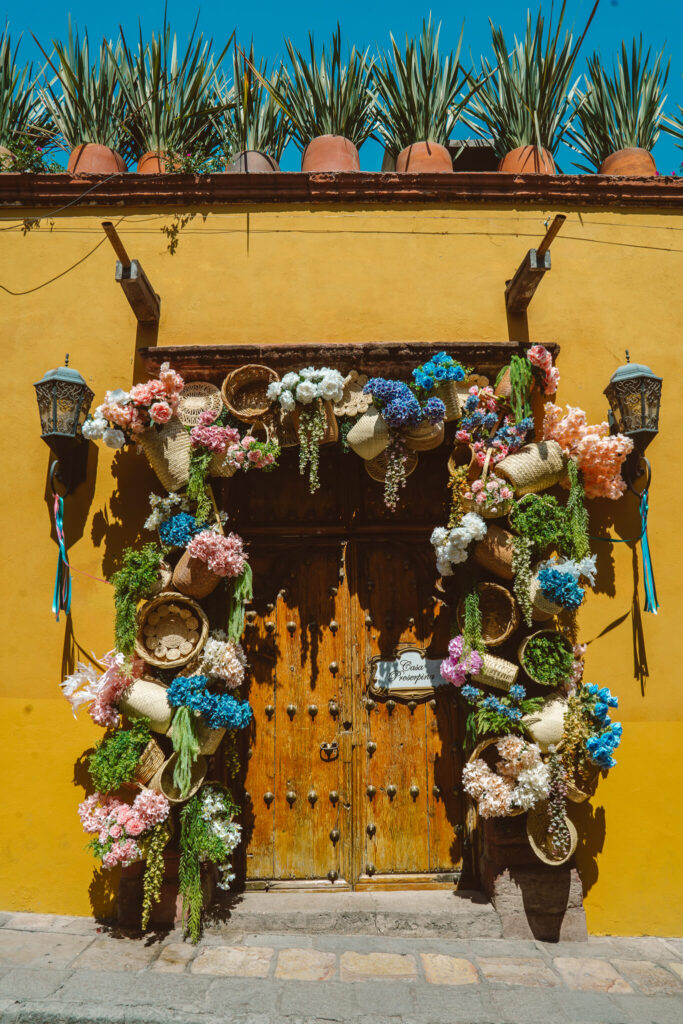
[{"x": 44, "y": 396}]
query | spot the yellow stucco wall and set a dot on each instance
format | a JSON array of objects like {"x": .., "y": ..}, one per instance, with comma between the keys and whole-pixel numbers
[{"x": 295, "y": 274}]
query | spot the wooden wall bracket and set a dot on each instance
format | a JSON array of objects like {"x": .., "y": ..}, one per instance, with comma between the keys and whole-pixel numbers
[
  {"x": 521, "y": 289},
  {"x": 142, "y": 298}
]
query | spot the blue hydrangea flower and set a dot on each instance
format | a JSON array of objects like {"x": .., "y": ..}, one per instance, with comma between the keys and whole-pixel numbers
[
  {"x": 219, "y": 711},
  {"x": 561, "y": 588},
  {"x": 470, "y": 693},
  {"x": 179, "y": 530},
  {"x": 517, "y": 693}
]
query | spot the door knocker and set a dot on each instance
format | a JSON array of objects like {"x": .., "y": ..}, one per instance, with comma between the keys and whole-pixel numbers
[{"x": 329, "y": 751}]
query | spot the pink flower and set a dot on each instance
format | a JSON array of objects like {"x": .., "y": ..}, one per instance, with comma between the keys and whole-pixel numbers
[
  {"x": 206, "y": 418},
  {"x": 223, "y": 555},
  {"x": 248, "y": 441},
  {"x": 462, "y": 435},
  {"x": 115, "y": 831},
  {"x": 160, "y": 412},
  {"x": 134, "y": 827},
  {"x": 254, "y": 456}
]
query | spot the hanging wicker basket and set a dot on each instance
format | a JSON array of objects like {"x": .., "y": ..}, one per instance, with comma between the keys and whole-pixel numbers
[
  {"x": 172, "y": 629},
  {"x": 369, "y": 436},
  {"x": 151, "y": 760},
  {"x": 331, "y": 434},
  {"x": 497, "y": 672},
  {"x": 535, "y": 467},
  {"x": 488, "y": 747},
  {"x": 146, "y": 698},
  {"x": 494, "y": 552},
  {"x": 354, "y": 400},
  {"x": 450, "y": 396},
  {"x": 244, "y": 391},
  {"x": 540, "y": 839},
  {"x": 221, "y": 466},
  {"x": 579, "y": 790},
  {"x": 524, "y": 644},
  {"x": 495, "y": 511},
  {"x": 193, "y": 577},
  {"x": 198, "y": 396},
  {"x": 546, "y": 726},
  {"x": 164, "y": 577},
  {"x": 543, "y": 609},
  {"x": 499, "y": 613},
  {"x": 167, "y": 449},
  {"x": 425, "y": 436},
  {"x": 463, "y": 455},
  {"x": 162, "y": 780},
  {"x": 377, "y": 467}
]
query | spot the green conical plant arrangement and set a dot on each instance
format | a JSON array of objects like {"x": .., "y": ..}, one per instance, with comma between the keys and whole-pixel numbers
[
  {"x": 330, "y": 104},
  {"x": 420, "y": 100},
  {"x": 619, "y": 117},
  {"x": 173, "y": 100},
  {"x": 86, "y": 107},
  {"x": 525, "y": 102},
  {"x": 254, "y": 130},
  {"x": 24, "y": 122}
]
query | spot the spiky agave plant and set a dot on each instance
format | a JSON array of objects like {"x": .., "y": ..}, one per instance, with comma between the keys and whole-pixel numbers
[
  {"x": 526, "y": 96},
  {"x": 171, "y": 92},
  {"x": 84, "y": 102},
  {"x": 253, "y": 120},
  {"x": 620, "y": 108},
  {"x": 327, "y": 95},
  {"x": 419, "y": 91},
  {"x": 23, "y": 117}
]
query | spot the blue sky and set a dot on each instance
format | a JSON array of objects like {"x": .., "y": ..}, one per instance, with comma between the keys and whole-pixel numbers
[{"x": 368, "y": 24}]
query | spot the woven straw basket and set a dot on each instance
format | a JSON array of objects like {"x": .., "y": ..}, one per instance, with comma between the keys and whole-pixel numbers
[
  {"x": 535, "y": 467},
  {"x": 546, "y": 727},
  {"x": 497, "y": 672},
  {"x": 494, "y": 552},
  {"x": 369, "y": 436},
  {"x": 424, "y": 436},
  {"x": 450, "y": 396},
  {"x": 540, "y": 840},
  {"x": 162, "y": 780},
  {"x": 463, "y": 455},
  {"x": 493, "y": 755},
  {"x": 167, "y": 449},
  {"x": 377, "y": 467},
  {"x": 146, "y": 698},
  {"x": 164, "y": 577},
  {"x": 523, "y": 646},
  {"x": 542, "y": 608},
  {"x": 193, "y": 577},
  {"x": 331, "y": 426},
  {"x": 499, "y": 613},
  {"x": 499, "y": 510},
  {"x": 354, "y": 400},
  {"x": 503, "y": 388},
  {"x": 197, "y": 397},
  {"x": 172, "y": 629},
  {"x": 151, "y": 760},
  {"x": 578, "y": 795},
  {"x": 220, "y": 466},
  {"x": 244, "y": 391}
]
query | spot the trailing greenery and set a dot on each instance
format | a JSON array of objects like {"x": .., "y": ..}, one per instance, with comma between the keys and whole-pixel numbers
[
  {"x": 578, "y": 541},
  {"x": 242, "y": 591},
  {"x": 132, "y": 583},
  {"x": 254, "y": 120},
  {"x": 200, "y": 459},
  {"x": 186, "y": 746},
  {"x": 419, "y": 91},
  {"x": 89, "y": 105},
  {"x": 312, "y": 426},
  {"x": 325, "y": 95},
  {"x": 558, "y": 830},
  {"x": 23, "y": 118},
  {"x": 521, "y": 379},
  {"x": 541, "y": 519},
  {"x": 457, "y": 485},
  {"x": 526, "y": 96},
  {"x": 621, "y": 107},
  {"x": 153, "y": 847},
  {"x": 472, "y": 626},
  {"x": 199, "y": 843},
  {"x": 497, "y": 715},
  {"x": 521, "y": 567},
  {"x": 548, "y": 659},
  {"x": 115, "y": 760}
]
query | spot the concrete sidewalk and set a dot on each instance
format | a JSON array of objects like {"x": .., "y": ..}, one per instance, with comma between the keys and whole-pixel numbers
[{"x": 74, "y": 971}]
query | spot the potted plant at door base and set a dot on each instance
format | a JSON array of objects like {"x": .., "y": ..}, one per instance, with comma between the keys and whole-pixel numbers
[
  {"x": 620, "y": 115},
  {"x": 254, "y": 130},
  {"x": 418, "y": 105}
]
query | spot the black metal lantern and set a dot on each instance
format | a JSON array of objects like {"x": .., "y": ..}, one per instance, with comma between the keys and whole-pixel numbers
[
  {"x": 634, "y": 394},
  {"x": 63, "y": 402}
]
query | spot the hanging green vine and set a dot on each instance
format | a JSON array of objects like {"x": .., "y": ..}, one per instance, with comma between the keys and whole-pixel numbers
[
  {"x": 457, "y": 484},
  {"x": 472, "y": 626},
  {"x": 186, "y": 746},
  {"x": 521, "y": 379},
  {"x": 242, "y": 592},
  {"x": 231, "y": 754},
  {"x": 577, "y": 515},
  {"x": 521, "y": 567},
  {"x": 312, "y": 424},
  {"x": 133, "y": 582},
  {"x": 153, "y": 850},
  {"x": 200, "y": 459}
]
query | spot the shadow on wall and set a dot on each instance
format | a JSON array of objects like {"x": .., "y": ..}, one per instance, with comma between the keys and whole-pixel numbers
[{"x": 591, "y": 824}]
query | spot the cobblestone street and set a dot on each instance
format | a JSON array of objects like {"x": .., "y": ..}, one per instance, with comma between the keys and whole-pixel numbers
[{"x": 72, "y": 970}]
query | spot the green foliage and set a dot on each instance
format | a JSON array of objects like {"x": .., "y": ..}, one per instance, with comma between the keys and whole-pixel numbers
[
  {"x": 26, "y": 155},
  {"x": 418, "y": 91},
  {"x": 541, "y": 519},
  {"x": 548, "y": 659},
  {"x": 486, "y": 720},
  {"x": 312, "y": 426},
  {"x": 153, "y": 847},
  {"x": 23, "y": 119},
  {"x": 242, "y": 591},
  {"x": 253, "y": 119},
  {"x": 198, "y": 843},
  {"x": 578, "y": 727},
  {"x": 89, "y": 105},
  {"x": 473, "y": 640},
  {"x": 200, "y": 459},
  {"x": 621, "y": 107},
  {"x": 521, "y": 567},
  {"x": 327, "y": 96},
  {"x": 115, "y": 759},
  {"x": 186, "y": 746},
  {"x": 133, "y": 582},
  {"x": 521, "y": 379},
  {"x": 525, "y": 99},
  {"x": 457, "y": 484},
  {"x": 577, "y": 515}
]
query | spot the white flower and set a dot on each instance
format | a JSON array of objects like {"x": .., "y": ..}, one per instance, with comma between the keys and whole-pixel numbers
[
  {"x": 474, "y": 525},
  {"x": 273, "y": 390},
  {"x": 305, "y": 392},
  {"x": 533, "y": 785},
  {"x": 439, "y": 535},
  {"x": 287, "y": 401},
  {"x": 308, "y": 373},
  {"x": 119, "y": 396},
  {"x": 331, "y": 389},
  {"x": 114, "y": 438},
  {"x": 290, "y": 381},
  {"x": 93, "y": 429},
  {"x": 444, "y": 567}
]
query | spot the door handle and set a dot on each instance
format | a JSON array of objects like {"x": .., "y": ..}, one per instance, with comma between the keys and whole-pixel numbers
[{"x": 329, "y": 751}]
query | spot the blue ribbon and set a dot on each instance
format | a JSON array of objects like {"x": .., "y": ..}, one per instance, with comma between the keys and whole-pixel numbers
[
  {"x": 61, "y": 598},
  {"x": 651, "y": 602}
]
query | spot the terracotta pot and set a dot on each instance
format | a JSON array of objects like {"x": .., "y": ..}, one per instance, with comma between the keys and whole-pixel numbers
[
  {"x": 153, "y": 163},
  {"x": 630, "y": 163},
  {"x": 91, "y": 158},
  {"x": 527, "y": 160},
  {"x": 424, "y": 157},
  {"x": 251, "y": 161},
  {"x": 330, "y": 153}
]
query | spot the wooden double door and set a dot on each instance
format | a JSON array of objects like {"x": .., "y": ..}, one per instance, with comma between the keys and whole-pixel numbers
[{"x": 343, "y": 785}]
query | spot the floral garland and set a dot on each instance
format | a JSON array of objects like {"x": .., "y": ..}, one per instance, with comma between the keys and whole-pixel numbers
[
  {"x": 124, "y": 415},
  {"x": 219, "y": 710},
  {"x": 450, "y": 546}
]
